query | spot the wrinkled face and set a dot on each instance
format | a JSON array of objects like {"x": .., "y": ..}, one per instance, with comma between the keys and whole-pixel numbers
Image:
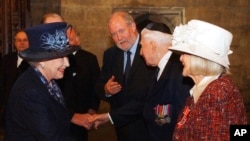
[
  {"x": 123, "y": 35},
  {"x": 54, "y": 68},
  {"x": 148, "y": 51},
  {"x": 21, "y": 41},
  {"x": 185, "y": 59}
]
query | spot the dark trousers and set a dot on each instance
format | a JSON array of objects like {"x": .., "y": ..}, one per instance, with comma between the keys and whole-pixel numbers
[
  {"x": 79, "y": 133},
  {"x": 135, "y": 131}
]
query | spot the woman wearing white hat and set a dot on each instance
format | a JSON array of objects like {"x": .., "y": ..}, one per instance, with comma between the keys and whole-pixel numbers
[{"x": 215, "y": 102}]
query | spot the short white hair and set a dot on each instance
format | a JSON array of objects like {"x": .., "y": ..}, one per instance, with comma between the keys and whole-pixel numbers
[{"x": 156, "y": 36}]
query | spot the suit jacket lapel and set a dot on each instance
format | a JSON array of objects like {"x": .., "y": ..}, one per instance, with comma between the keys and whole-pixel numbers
[
  {"x": 137, "y": 60},
  {"x": 164, "y": 76},
  {"x": 118, "y": 68}
]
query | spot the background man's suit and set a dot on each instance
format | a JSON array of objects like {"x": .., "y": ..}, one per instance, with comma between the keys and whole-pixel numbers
[
  {"x": 10, "y": 73},
  {"x": 78, "y": 87},
  {"x": 134, "y": 91}
]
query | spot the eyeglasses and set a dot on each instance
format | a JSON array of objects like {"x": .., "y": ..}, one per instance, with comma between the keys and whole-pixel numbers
[{"x": 21, "y": 40}]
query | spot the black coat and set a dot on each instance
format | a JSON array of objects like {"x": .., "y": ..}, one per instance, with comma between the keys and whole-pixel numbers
[
  {"x": 10, "y": 73},
  {"x": 134, "y": 91},
  {"x": 78, "y": 83},
  {"x": 171, "y": 88},
  {"x": 78, "y": 87}
]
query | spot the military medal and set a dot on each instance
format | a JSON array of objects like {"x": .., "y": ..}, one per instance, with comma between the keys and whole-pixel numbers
[{"x": 163, "y": 114}]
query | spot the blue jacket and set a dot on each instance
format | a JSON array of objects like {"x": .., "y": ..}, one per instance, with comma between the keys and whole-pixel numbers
[{"x": 33, "y": 114}]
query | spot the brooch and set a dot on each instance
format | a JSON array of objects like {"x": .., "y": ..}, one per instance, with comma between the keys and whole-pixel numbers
[{"x": 186, "y": 111}]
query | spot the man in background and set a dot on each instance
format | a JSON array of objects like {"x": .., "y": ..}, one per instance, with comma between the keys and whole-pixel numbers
[
  {"x": 79, "y": 80},
  {"x": 13, "y": 65}
]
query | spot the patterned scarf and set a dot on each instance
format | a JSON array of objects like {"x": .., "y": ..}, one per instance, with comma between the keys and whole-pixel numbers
[{"x": 52, "y": 87}]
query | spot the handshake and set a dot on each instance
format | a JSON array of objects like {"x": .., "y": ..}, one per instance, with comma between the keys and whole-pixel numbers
[{"x": 90, "y": 120}]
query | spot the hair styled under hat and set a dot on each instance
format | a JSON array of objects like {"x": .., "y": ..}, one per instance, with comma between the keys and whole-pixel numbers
[
  {"x": 204, "y": 40},
  {"x": 48, "y": 41}
]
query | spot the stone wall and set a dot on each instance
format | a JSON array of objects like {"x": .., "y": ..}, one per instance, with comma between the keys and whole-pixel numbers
[{"x": 90, "y": 17}]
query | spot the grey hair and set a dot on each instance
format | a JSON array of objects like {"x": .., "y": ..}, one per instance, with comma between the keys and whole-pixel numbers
[
  {"x": 202, "y": 66},
  {"x": 156, "y": 36}
]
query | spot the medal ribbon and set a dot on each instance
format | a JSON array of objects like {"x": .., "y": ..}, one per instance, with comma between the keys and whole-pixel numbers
[{"x": 163, "y": 110}]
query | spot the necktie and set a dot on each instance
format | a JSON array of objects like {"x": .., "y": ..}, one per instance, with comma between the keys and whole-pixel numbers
[{"x": 128, "y": 66}]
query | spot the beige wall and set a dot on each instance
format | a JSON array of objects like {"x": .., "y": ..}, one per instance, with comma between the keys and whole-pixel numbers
[{"x": 90, "y": 17}]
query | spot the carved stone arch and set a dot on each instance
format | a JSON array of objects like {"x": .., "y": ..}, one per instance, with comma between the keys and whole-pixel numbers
[{"x": 171, "y": 16}]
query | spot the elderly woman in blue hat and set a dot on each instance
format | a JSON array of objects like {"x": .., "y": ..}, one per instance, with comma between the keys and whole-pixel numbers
[
  {"x": 215, "y": 102},
  {"x": 36, "y": 110}
]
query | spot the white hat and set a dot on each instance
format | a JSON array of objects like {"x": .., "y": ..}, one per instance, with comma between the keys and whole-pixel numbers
[{"x": 204, "y": 40}]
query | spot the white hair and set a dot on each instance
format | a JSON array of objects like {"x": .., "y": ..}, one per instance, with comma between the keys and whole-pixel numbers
[{"x": 156, "y": 36}]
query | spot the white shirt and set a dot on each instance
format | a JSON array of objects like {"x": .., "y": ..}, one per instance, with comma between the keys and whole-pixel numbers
[
  {"x": 163, "y": 62},
  {"x": 19, "y": 61},
  {"x": 132, "y": 51}
]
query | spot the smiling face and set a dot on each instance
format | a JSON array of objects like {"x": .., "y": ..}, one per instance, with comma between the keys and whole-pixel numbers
[
  {"x": 54, "y": 68},
  {"x": 123, "y": 32}
]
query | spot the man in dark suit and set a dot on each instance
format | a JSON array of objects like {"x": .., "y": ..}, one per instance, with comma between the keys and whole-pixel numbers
[
  {"x": 13, "y": 65},
  {"x": 168, "y": 89},
  {"x": 78, "y": 86},
  {"x": 119, "y": 89}
]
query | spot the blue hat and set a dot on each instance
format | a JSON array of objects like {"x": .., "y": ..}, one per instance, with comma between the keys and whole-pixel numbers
[{"x": 48, "y": 41}]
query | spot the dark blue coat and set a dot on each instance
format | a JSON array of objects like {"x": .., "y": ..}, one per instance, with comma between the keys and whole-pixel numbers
[
  {"x": 33, "y": 114},
  {"x": 171, "y": 88}
]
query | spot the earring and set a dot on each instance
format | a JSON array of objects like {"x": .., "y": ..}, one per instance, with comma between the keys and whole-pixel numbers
[{"x": 42, "y": 66}]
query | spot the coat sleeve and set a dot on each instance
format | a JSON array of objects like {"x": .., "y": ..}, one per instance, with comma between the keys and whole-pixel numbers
[{"x": 42, "y": 119}]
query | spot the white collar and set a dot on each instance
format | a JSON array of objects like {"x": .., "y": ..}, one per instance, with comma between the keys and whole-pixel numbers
[
  {"x": 163, "y": 62},
  {"x": 197, "y": 89}
]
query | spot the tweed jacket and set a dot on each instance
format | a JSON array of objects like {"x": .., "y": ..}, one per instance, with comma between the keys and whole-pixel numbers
[
  {"x": 33, "y": 114},
  {"x": 219, "y": 106}
]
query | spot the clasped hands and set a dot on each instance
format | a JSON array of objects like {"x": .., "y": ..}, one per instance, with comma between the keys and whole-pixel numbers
[{"x": 90, "y": 120}]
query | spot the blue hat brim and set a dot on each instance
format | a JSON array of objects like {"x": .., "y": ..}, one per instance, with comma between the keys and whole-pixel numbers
[{"x": 35, "y": 56}]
